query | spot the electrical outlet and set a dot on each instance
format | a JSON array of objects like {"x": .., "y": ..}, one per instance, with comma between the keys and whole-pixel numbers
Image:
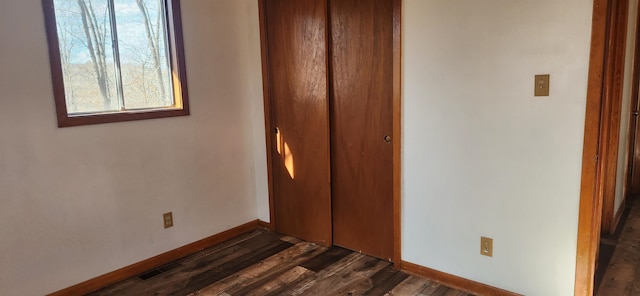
[
  {"x": 168, "y": 219},
  {"x": 486, "y": 246}
]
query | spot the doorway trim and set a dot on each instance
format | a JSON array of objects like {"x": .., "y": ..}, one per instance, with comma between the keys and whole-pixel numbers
[
  {"x": 591, "y": 189},
  {"x": 614, "y": 63},
  {"x": 602, "y": 127},
  {"x": 633, "y": 123},
  {"x": 396, "y": 117},
  {"x": 397, "y": 131},
  {"x": 266, "y": 91}
]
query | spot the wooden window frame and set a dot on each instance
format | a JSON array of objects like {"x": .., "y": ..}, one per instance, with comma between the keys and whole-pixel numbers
[{"x": 178, "y": 70}]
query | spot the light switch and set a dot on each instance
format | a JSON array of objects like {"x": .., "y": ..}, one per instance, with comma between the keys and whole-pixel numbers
[{"x": 542, "y": 85}]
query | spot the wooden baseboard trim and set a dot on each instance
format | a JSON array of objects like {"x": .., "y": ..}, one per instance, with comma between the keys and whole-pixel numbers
[
  {"x": 265, "y": 225},
  {"x": 616, "y": 218},
  {"x": 453, "y": 281},
  {"x": 164, "y": 258}
]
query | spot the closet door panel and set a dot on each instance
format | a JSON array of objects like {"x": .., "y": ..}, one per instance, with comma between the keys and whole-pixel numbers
[
  {"x": 361, "y": 119},
  {"x": 297, "y": 61}
]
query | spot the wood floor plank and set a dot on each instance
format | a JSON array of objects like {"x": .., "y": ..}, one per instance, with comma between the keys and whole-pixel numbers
[
  {"x": 276, "y": 285},
  {"x": 634, "y": 287},
  {"x": 292, "y": 240},
  {"x": 164, "y": 283},
  {"x": 337, "y": 275},
  {"x": 371, "y": 286},
  {"x": 300, "y": 287},
  {"x": 384, "y": 280},
  {"x": 622, "y": 274},
  {"x": 434, "y": 289},
  {"x": 353, "y": 280},
  {"x": 208, "y": 277},
  {"x": 410, "y": 286},
  {"x": 277, "y": 271},
  {"x": 453, "y": 292},
  {"x": 631, "y": 232},
  {"x": 178, "y": 278},
  {"x": 220, "y": 252},
  {"x": 612, "y": 286},
  {"x": 264, "y": 270},
  {"x": 325, "y": 259},
  {"x": 226, "y": 244},
  {"x": 267, "y": 264},
  {"x": 294, "y": 278}
]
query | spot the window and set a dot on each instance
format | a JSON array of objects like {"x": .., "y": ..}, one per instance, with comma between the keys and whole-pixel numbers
[{"x": 116, "y": 60}]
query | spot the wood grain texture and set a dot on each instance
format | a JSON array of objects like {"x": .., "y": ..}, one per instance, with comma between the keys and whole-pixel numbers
[
  {"x": 633, "y": 145},
  {"x": 268, "y": 110},
  {"x": 54, "y": 60},
  {"x": 325, "y": 259},
  {"x": 361, "y": 117},
  {"x": 203, "y": 279},
  {"x": 192, "y": 274},
  {"x": 412, "y": 286},
  {"x": 239, "y": 267},
  {"x": 606, "y": 113},
  {"x": 392, "y": 47},
  {"x": 622, "y": 275},
  {"x": 382, "y": 282},
  {"x": 459, "y": 283},
  {"x": 612, "y": 109},
  {"x": 297, "y": 57},
  {"x": 284, "y": 267},
  {"x": 277, "y": 264},
  {"x": 397, "y": 132},
  {"x": 265, "y": 225},
  {"x": 280, "y": 282},
  {"x": 590, "y": 208},
  {"x": 153, "y": 262},
  {"x": 345, "y": 280}
]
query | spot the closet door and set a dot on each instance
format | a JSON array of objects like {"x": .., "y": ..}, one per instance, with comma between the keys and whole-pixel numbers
[
  {"x": 297, "y": 64},
  {"x": 361, "y": 119}
]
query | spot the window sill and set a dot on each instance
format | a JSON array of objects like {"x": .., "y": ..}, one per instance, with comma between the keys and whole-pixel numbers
[{"x": 65, "y": 120}]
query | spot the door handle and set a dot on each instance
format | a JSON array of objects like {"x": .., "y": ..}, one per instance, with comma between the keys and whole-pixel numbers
[{"x": 387, "y": 139}]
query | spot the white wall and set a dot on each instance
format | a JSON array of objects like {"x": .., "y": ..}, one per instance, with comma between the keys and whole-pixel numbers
[
  {"x": 625, "y": 115},
  {"x": 78, "y": 202},
  {"x": 484, "y": 157},
  {"x": 481, "y": 155},
  {"x": 257, "y": 114}
]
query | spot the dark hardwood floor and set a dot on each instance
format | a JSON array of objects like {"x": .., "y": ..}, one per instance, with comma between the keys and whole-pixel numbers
[
  {"x": 618, "y": 271},
  {"x": 264, "y": 263}
]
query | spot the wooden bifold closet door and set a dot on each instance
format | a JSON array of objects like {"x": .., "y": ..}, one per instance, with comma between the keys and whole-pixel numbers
[
  {"x": 330, "y": 77},
  {"x": 361, "y": 119},
  {"x": 297, "y": 47}
]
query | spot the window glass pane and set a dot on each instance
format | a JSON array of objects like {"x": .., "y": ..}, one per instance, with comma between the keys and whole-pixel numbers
[
  {"x": 86, "y": 53},
  {"x": 144, "y": 60}
]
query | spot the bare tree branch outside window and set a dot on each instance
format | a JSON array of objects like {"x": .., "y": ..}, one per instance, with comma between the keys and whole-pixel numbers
[
  {"x": 93, "y": 66},
  {"x": 95, "y": 35}
]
